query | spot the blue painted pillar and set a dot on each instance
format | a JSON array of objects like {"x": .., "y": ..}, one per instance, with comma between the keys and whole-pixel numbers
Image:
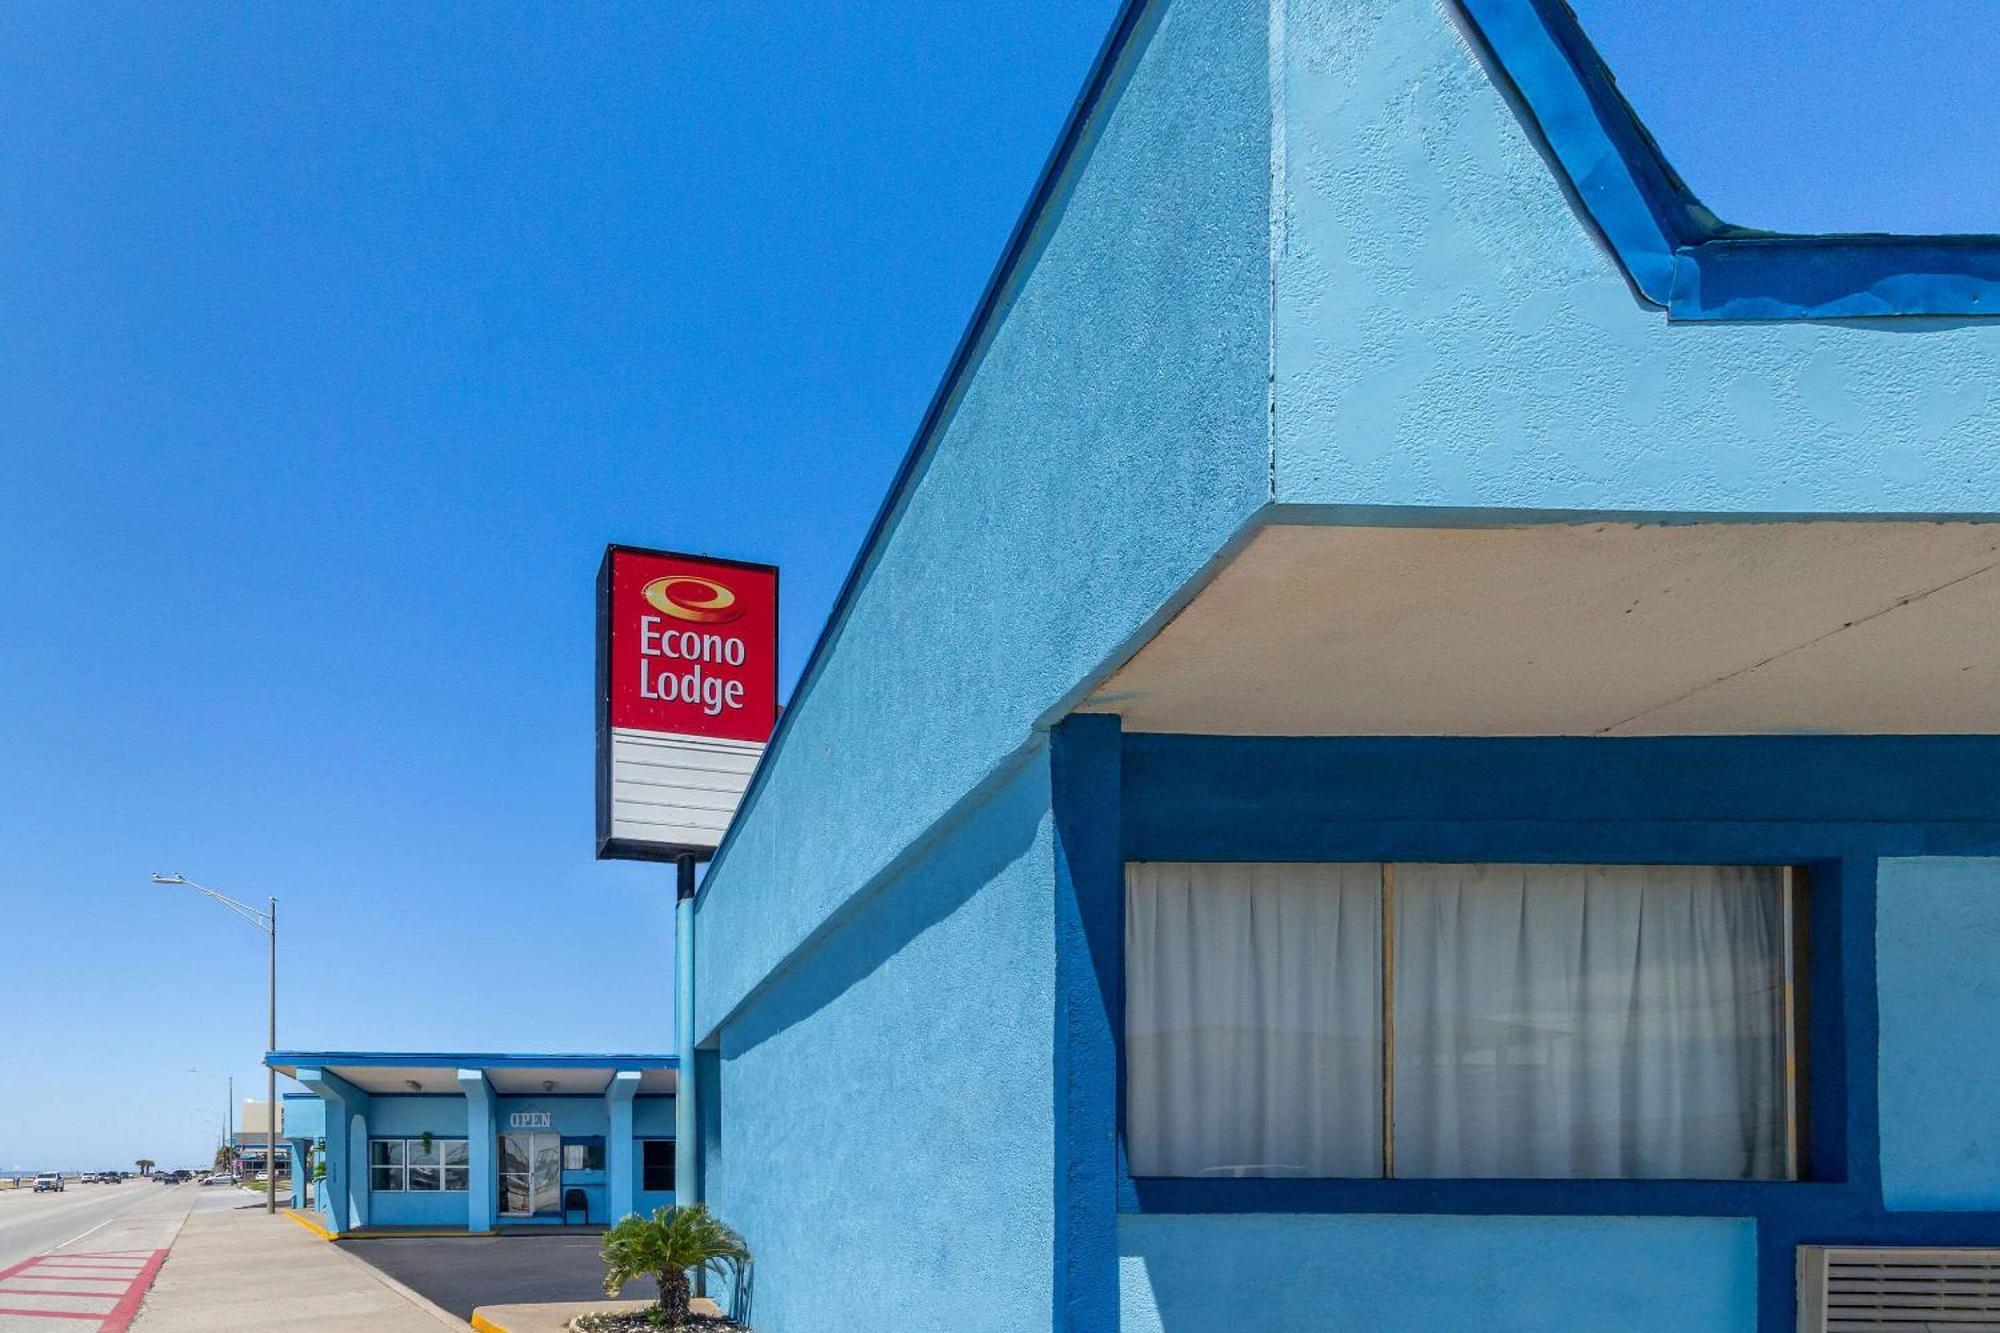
[
  {"x": 357, "y": 1158},
  {"x": 619, "y": 1167},
  {"x": 481, "y": 1151},
  {"x": 344, "y": 1192},
  {"x": 299, "y": 1150},
  {"x": 687, "y": 1131},
  {"x": 1084, "y": 758}
]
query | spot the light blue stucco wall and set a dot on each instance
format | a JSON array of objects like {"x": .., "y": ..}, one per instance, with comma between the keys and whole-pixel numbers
[
  {"x": 1448, "y": 332},
  {"x": 1111, "y": 438},
  {"x": 886, "y": 1112},
  {"x": 1436, "y": 1274},
  {"x": 1937, "y": 965},
  {"x": 393, "y": 1117}
]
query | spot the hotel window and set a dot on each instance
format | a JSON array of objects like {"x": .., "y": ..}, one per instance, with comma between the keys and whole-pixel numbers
[
  {"x": 406, "y": 1164},
  {"x": 1440, "y": 1021},
  {"x": 385, "y": 1164},
  {"x": 657, "y": 1165}
]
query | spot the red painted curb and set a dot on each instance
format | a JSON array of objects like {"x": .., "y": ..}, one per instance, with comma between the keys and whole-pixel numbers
[
  {"x": 121, "y": 1315},
  {"x": 116, "y": 1320}
]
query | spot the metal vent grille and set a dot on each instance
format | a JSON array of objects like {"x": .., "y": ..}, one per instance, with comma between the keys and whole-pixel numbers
[{"x": 1845, "y": 1290}]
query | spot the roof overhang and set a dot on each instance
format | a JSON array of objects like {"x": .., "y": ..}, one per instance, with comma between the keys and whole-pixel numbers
[
  {"x": 411, "y": 1073},
  {"x": 1582, "y": 628}
]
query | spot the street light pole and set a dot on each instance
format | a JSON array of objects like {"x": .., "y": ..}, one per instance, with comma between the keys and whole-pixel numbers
[{"x": 266, "y": 921}]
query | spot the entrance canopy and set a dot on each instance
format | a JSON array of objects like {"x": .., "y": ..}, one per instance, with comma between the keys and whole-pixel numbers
[
  {"x": 508, "y": 1075},
  {"x": 1582, "y": 628}
]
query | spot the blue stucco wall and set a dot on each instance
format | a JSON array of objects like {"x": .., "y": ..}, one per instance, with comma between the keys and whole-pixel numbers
[
  {"x": 410, "y": 1117},
  {"x": 1937, "y": 969},
  {"x": 885, "y": 1118},
  {"x": 1448, "y": 332},
  {"x": 1112, "y": 436},
  {"x": 304, "y": 1116},
  {"x": 1436, "y": 1275},
  {"x": 391, "y": 1117}
]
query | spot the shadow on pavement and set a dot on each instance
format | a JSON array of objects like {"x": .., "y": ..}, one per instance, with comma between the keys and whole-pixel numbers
[{"x": 462, "y": 1272}]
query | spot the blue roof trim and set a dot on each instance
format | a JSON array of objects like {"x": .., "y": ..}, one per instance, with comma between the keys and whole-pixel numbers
[
  {"x": 1853, "y": 277},
  {"x": 1678, "y": 254},
  {"x": 465, "y": 1060}
]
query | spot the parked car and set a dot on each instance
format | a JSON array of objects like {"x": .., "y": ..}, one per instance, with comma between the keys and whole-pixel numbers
[
  {"x": 48, "y": 1181},
  {"x": 219, "y": 1178}
]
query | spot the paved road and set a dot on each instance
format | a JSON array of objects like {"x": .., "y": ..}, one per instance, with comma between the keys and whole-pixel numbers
[
  {"x": 32, "y": 1223},
  {"x": 79, "y": 1261}
]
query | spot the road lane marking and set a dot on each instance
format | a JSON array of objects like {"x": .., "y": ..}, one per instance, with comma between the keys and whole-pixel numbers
[{"x": 53, "y": 1286}]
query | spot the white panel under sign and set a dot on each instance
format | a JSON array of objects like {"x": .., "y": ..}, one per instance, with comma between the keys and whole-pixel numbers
[{"x": 676, "y": 789}]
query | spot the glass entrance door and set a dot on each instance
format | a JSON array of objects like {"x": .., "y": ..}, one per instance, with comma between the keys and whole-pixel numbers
[{"x": 530, "y": 1175}]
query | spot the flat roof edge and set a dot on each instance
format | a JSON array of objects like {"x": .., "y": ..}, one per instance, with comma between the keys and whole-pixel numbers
[
  {"x": 1675, "y": 252},
  {"x": 469, "y": 1060}
]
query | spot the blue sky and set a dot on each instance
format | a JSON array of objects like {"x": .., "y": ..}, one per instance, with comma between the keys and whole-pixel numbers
[{"x": 337, "y": 342}]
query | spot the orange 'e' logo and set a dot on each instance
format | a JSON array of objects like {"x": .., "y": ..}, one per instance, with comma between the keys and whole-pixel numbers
[{"x": 687, "y": 597}]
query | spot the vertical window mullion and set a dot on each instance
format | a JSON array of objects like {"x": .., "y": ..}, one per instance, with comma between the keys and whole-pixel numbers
[
  {"x": 1388, "y": 1029},
  {"x": 1789, "y": 897}
]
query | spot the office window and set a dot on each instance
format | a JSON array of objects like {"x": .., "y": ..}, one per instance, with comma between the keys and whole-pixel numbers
[
  {"x": 583, "y": 1154},
  {"x": 425, "y": 1165},
  {"x": 385, "y": 1164},
  {"x": 457, "y": 1164},
  {"x": 1460, "y": 1021},
  {"x": 406, "y": 1164},
  {"x": 657, "y": 1165}
]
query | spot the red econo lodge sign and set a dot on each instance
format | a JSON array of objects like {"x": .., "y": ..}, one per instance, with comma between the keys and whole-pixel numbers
[
  {"x": 693, "y": 645},
  {"x": 688, "y": 693}
]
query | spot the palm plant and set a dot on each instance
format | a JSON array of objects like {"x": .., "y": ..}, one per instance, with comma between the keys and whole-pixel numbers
[
  {"x": 145, "y": 1165},
  {"x": 666, "y": 1247}
]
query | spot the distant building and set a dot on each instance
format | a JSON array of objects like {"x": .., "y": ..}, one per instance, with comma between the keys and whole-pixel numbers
[
  {"x": 249, "y": 1138},
  {"x": 1416, "y": 748},
  {"x": 477, "y": 1143}
]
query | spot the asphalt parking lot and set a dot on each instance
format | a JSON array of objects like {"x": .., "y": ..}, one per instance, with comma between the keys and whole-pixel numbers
[{"x": 462, "y": 1272}]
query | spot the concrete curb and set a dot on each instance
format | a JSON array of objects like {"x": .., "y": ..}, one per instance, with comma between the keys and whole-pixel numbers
[
  {"x": 308, "y": 1224},
  {"x": 555, "y": 1316}
]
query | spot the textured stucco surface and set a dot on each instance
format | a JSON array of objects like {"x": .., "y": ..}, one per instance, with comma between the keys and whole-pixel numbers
[
  {"x": 1447, "y": 331},
  {"x": 1110, "y": 439},
  {"x": 1436, "y": 1275},
  {"x": 1937, "y": 967},
  {"x": 886, "y": 1137}
]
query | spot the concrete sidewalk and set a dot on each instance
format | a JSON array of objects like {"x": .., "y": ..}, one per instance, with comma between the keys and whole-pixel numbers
[{"x": 238, "y": 1268}]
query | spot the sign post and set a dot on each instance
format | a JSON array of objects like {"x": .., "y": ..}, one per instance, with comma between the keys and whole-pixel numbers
[{"x": 687, "y": 693}]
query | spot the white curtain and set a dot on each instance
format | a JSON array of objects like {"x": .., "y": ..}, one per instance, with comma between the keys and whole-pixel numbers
[
  {"x": 1253, "y": 1019},
  {"x": 1589, "y": 1021}
]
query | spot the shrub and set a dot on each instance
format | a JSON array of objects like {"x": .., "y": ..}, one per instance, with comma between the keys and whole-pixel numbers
[{"x": 667, "y": 1246}]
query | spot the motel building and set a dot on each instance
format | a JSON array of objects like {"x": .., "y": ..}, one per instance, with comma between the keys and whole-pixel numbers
[
  {"x": 477, "y": 1143},
  {"x": 1416, "y": 746}
]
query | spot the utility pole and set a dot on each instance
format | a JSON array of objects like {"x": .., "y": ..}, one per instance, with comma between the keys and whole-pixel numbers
[{"x": 266, "y": 921}]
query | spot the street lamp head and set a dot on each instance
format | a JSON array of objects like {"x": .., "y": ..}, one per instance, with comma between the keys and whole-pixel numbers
[{"x": 169, "y": 879}]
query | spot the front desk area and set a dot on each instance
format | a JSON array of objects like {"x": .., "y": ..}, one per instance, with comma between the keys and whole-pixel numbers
[{"x": 476, "y": 1143}]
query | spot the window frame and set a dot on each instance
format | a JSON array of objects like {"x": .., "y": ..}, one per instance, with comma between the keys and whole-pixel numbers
[
  {"x": 1794, "y": 962},
  {"x": 646, "y": 1146},
  {"x": 403, "y": 1168}
]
